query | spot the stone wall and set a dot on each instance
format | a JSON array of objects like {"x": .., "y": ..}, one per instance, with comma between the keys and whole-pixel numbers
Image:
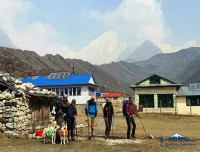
[
  {"x": 156, "y": 91},
  {"x": 15, "y": 117}
]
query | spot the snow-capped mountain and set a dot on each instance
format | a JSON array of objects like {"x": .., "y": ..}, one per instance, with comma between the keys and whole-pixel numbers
[
  {"x": 5, "y": 41},
  {"x": 104, "y": 49},
  {"x": 144, "y": 52}
]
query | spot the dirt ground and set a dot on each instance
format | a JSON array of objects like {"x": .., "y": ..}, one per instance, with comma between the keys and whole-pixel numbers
[{"x": 156, "y": 124}]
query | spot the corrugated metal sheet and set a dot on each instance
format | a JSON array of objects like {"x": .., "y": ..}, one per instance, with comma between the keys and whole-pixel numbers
[
  {"x": 107, "y": 95},
  {"x": 185, "y": 91},
  {"x": 41, "y": 81}
]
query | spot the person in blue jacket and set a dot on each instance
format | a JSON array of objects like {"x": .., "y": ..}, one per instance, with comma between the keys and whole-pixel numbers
[{"x": 91, "y": 112}]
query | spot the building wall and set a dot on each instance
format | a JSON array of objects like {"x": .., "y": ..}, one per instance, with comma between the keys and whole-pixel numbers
[
  {"x": 80, "y": 99},
  {"x": 162, "y": 81},
  {"x": 113, "y": 100},
  {"x": 156, "y": 91},
  {"x": 83, "y": 98},
  {"x": 147, "y": 82},
  {"x": 186, "y": 110}
]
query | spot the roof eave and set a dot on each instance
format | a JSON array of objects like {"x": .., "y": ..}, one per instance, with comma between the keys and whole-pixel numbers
[{"x": 151, "y": 86}]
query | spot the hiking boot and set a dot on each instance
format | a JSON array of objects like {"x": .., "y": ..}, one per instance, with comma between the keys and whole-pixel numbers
[
  {"x": 89, "y": 137},
  {"x": 133, "y": 138}
]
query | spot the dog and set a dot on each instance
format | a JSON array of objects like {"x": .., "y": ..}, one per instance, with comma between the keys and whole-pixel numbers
[
  {"x": 50, "y": 132},
  {"x": 63, "y": 134}
]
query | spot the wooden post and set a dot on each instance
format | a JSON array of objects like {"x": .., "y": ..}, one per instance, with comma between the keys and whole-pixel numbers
[
  {"x": 146, "y": 106},
  {"x": 160, "y": 107}
]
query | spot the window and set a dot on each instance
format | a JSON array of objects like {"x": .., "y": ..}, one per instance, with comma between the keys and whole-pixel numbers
[
  {"x": 70, "y": 91},
  {"x": 91, "y": 91},
  {"x": 193, "y": 101},
  {"x": 79, "y": 91},
  {"x": 147, "y": 100},
  {"x": 165, "y": 100},
  {"x": 57, "y": 91},
  {"x": 62, "y": 91},
  {"x": 66, "y": 91},
  {"x": 74, "y": 91},
  {"x": 154, "y": 80}
]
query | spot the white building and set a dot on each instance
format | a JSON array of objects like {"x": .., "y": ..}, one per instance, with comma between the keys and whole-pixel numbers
[{"x": 76, "y": 86}]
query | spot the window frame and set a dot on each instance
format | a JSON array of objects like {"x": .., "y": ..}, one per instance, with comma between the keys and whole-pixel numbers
[
  {"x": 195, "y": 99},
  {"x": 165, "y": 97},
  {"x": 144, "y": 100}
]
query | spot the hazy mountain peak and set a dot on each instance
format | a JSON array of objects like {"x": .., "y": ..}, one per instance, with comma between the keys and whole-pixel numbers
[
  {"x": 104, "y": 49},
  {"x": 146, "y": 50},
  {"x": 5, "y": 41}
]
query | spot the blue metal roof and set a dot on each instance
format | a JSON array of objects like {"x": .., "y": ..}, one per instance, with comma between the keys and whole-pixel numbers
[{"x": 76, "y": 79}]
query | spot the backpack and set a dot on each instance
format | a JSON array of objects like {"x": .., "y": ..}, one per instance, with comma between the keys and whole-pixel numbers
[
  {"x": 124, "y": 107},
  {"x": 89, "y": 107}
]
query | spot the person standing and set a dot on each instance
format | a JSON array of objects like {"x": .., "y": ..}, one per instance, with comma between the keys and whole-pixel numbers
[
  {"x": 129, "y": 119},
  {"x": 71, "y": 118},
  {"x": 108, "y": 113},
  {"x": 59, "y": 111},
  {"x": 91, "y": 112},
  {"x": 65, "y": 105}
]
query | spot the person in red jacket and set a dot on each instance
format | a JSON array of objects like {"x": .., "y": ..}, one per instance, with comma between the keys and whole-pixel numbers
[{"x": 129, "y": 118}]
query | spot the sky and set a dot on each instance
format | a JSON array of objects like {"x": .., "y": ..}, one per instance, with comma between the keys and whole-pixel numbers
[{"x": 54, "y": 26}]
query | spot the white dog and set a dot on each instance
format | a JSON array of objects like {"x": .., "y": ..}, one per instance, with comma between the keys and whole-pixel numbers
[{"x": 50, "y": 132}]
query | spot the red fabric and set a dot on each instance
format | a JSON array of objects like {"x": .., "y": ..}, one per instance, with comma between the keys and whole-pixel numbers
[
  {"x": 106, "y": 95},
  {"x": 39, "y": 133},
  {"x": 130, "y": 110}
]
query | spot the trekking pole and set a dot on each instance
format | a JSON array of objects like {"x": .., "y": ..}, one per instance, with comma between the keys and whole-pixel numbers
[
  {"x": 76, "y": 131},
  {"x": 143, "y": 127},
  {"x": 112, "y": 124},
  {"x": 148, "y": 135}
]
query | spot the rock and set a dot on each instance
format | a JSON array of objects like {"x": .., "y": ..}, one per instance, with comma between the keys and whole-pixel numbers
[
  {"x": 1, "y": 104},
  {"x": 38, "y": 127},
  {"x": 30, "y": 136},
  {"x": 29, "y": 116},
  {"x": 15, "y": 135},
  {"x": 14, "y": 109},
  {"x": 8, "y": 132},
  {"x": 10, "y": 125},
  {"x": 2, "y": 96},
  {"x": 3, "y": 128}
]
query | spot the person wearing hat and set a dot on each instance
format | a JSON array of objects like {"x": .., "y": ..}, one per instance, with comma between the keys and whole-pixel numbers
[
  {"x": 108, "y": 113},
  {"x": 130, "y": 111},
  {"x": 91, "y": 112},
  {"x": 72, "y": 114}
]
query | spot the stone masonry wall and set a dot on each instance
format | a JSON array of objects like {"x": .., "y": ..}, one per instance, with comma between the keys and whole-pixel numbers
[
  {"x": 156, "y": 91},
  {"x": 15, "y": 116}
]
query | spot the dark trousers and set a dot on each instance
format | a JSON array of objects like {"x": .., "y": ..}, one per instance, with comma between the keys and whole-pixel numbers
[
  {"x": 59, "y": 121},
  {"x": 70, "y": 127},
  {"x": 130, "y": 121},
  {"x": 108, "y": 123}
]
